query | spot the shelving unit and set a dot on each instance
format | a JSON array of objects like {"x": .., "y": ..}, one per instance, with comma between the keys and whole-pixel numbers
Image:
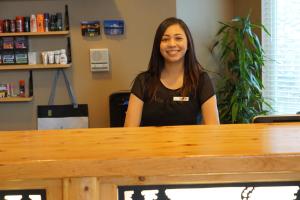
[
  {"x": 33, "y": 67},
  {"x": 35, "y": 33},
  {"x": 15, "y": 99},
  {"x": 9, "y": 67}
]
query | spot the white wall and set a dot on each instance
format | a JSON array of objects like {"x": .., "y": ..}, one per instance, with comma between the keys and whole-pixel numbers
[{"x": 202, "y": 17}]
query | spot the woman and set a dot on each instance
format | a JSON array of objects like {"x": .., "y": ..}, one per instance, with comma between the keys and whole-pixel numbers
[{"x": 174, "y": 90}]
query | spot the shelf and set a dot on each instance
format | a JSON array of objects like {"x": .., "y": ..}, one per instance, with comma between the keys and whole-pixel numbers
[
  {"x": 37, "y": 66},
  {"x": 35, "y": 33},
  {"x": 15, "y": 99}
]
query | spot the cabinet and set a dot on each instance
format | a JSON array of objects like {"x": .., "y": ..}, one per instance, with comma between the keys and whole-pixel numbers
[{"x": 4, "y": 67}]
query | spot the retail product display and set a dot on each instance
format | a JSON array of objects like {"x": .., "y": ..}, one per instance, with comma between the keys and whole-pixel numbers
[{"x": 16, "y": 54}]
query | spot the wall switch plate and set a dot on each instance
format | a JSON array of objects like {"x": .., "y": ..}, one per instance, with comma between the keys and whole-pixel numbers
[{"x": 99, "y": 60}]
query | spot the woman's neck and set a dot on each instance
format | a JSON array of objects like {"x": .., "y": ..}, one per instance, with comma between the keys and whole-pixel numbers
[{"x": 172, "y": 75}]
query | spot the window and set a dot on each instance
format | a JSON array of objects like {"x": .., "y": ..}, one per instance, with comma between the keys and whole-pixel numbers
[{"x": 281, "y": 75}]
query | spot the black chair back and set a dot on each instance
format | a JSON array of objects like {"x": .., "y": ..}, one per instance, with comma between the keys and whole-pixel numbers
[
  {"x": 276, "y": 118},
  {"x": 118, "y": 103}
]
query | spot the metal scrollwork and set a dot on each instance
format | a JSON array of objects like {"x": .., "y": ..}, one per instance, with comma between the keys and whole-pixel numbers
[
  {"x": 137, "y": 195},
  {"x": 162, "y": 194},
  {"x": 297, "y": 195},
  {"x": 245, "y": 195}
]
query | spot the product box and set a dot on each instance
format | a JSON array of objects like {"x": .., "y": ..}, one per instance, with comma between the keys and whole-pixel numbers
[
  {"x": 3, "y": 90},
  {"x": 7, "y": 43},
  {"x": 21, "y": 42},
  {"x": 21, "y": 57},
  {"x": 1, "y": 43},
  {"x": 8, "y": 57}
]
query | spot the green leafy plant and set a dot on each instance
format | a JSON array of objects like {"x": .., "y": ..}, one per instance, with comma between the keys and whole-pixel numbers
[{"x": 239, "y": 90}]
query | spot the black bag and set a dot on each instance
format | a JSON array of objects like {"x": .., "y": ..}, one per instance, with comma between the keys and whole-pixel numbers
[{"x": 62, "y": 116}]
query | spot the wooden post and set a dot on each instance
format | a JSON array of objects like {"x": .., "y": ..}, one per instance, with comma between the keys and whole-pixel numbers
[
  {"x": 81, "y": 189},
  {"x": 108, "y": 192}
]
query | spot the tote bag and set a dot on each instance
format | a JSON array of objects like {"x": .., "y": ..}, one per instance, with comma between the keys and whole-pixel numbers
[{"x": 62, "y": 116}]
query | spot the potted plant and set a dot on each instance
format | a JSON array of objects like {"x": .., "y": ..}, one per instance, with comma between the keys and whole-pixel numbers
[{"x": 239, "y": 90}]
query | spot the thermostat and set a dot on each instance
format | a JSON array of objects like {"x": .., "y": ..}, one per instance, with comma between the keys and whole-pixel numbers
[{"x": 99, "y": 60}]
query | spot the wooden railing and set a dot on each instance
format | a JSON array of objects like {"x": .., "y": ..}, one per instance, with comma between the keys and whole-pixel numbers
[{"x": 92, "y": 163}]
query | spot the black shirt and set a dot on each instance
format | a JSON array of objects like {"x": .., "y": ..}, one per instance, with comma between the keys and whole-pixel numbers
[{"x": 169, "y": 108}]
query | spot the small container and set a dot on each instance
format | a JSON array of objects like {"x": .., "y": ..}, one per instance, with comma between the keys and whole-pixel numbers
[
  {"x": 22, "y": 88},
  {"x": 63, "y": 57},
  {"x": 26, "y": 24},
  {"x": 19, "y": 24},
  {"x": 6, "y": 26},
  {"x": 45, "y": 57},
  {"x": 46, "y": 22},
  {"x": 40, "y": 22},
  {"x": 57, "y": 57},
  {"x": 50, "y": 55},
  {"x": 12, "y": 26},
  {"x": 53, "y": 24},
  {"x": 32, "y": 58},
  {"x": 59, "y": 23},
  {"x": 1, "y": 26},
  {"x": 33, "y": 26}
]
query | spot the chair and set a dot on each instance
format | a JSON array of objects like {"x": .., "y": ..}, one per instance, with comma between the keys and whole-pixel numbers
[
  {"x": 118, "y": 103},
  {"x": 276, "y": 118}
]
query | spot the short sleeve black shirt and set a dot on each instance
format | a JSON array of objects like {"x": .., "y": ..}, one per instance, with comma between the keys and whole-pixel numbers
[{"x": 169, "y": 108}]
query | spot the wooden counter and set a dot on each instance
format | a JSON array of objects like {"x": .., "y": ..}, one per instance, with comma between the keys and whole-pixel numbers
[{"x": 83, "y": 163}]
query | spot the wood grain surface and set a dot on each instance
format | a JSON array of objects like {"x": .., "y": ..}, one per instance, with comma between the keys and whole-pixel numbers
[{"x": 151, "y": 151}]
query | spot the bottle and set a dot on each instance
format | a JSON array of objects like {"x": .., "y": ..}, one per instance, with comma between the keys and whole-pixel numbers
[
  {"x": 30, "y": 84},
  {"x": 40, "y": 22},
  {"x": 63, "y": 57},
  {"x": 26, "y": 24},
  {"x": 69, "y": 54},
  {"x": 46, "y": 22},
  {"x": 1, "y": 26},
  {"x": 59, "y": 21},
  {"x": 53, "y": 25},
  {"x": 67, "y": 27},
  {"x": 33, "y": 27},
  {"x": 12, "y": 25},
  {"x": 19, "y": 23},
  {"x": 21, "y": 88},
  {"x": 6, "y": 26}
]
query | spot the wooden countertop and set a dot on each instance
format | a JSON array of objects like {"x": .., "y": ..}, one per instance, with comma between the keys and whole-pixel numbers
[{"x": 150, "y": 151}]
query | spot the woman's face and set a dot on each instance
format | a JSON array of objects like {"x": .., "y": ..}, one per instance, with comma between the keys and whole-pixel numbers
[{"x": 173, "y": 45}]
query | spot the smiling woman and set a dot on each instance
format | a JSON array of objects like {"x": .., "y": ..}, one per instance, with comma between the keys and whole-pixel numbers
[{"x": 175, "y": 90}]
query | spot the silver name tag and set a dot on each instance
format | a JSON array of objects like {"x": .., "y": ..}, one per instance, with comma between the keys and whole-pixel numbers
[{"x": 181, "y": 98}]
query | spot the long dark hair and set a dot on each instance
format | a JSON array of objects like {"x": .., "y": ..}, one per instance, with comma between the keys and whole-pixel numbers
[{"x": 192, "y": 68}]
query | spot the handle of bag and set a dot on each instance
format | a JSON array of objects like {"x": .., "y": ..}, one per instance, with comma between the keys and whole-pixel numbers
[{"x": 68, "y": 85}]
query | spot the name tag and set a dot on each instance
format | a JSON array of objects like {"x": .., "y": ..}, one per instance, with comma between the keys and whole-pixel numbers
[{"x": 181, "y": 98}]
